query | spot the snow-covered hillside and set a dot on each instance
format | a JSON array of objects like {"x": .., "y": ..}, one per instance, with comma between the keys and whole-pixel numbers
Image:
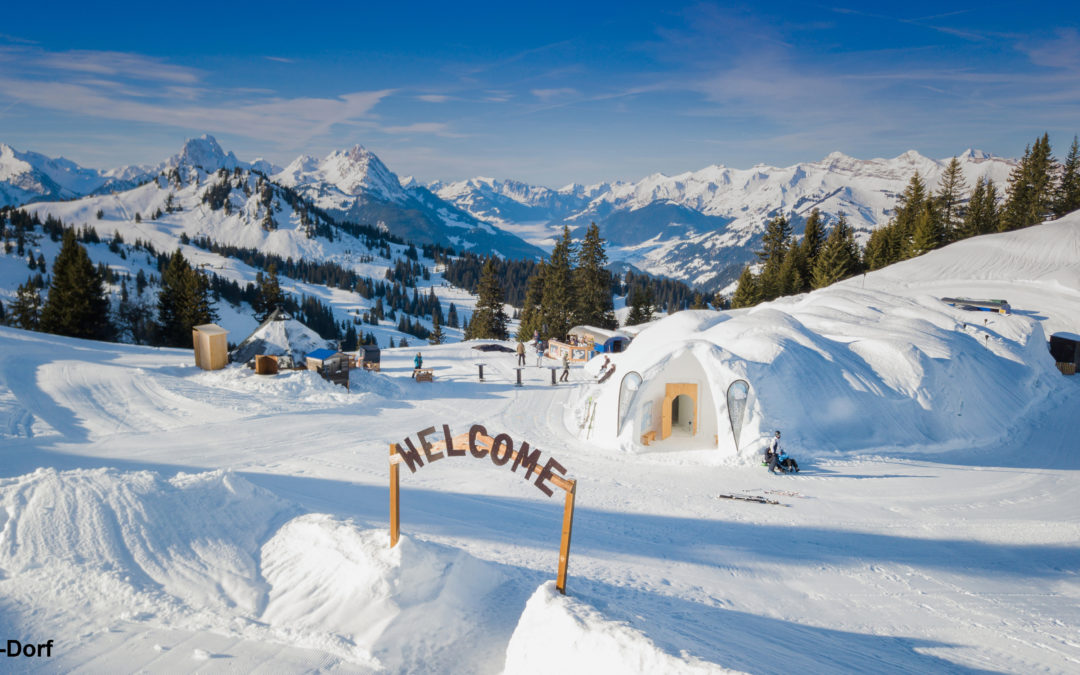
[
  {"x": 355, "y": 186},
  {"x": 701, "y": 226},
  {"x": 199, "y": 198},
  {"x": 157, "y": 517}
]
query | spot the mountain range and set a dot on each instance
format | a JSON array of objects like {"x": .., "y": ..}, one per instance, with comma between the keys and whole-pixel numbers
[
  {"x": 700, "y": 227},
  {"x": 703, "y": 226}
]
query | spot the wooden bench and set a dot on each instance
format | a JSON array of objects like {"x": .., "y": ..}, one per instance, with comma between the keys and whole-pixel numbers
[
  {"x": 648, "y": 437},
  {"x": 423, "y": 375}
]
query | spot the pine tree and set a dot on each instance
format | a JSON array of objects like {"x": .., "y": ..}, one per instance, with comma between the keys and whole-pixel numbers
[
  {"x": 489, "y": 320},
  {"x": 532, "y": 314},
  {"x": 912, "y": 203},
  {"x": 981, "y": 216},
  {"x": 184, "y": 302},
  {"x": 269, "y": 294},
  {"x": 452, "y": 317},
  {"x": 351, "y": 340},
  {"x": 437, "y": 337},
  {"x": 774, "y": 245},
  {"x": 1067, "y": 198},
  {"x": 77, "y": 305},
  {"x": 927, "y": 234},
  {"x": 789, "y": 276},
  {"x": 839, "y": 257},
  {"x": 26, "y": 309},
  {"x": 559, "y": 299},
  {"x": 1031, "y": 191},
  {"x": 593, "y": 283},
  {"x": 641, "y": 305},
  {"x": 876, "y": 254},
  {"x": 949, "y": 200},
  {"x": 813, "y": 241},
  {"x": 747, "y": 291}
]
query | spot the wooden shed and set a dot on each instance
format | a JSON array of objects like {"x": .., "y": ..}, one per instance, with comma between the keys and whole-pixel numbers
[
  {"x": 1065, "y": 348},
  {"x": 603, "y": 341},
  {"x": 330, "y": 364},
  {"x": 369, "y": 357},
  {"x": 211, "y": 346}
]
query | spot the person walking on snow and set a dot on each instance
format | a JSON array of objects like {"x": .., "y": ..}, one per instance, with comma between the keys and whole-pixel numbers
[
  {"x": 565, "y": 377},
  {"x": 521, "y": 353},
  {"x": 539, "y": 352},
  {"x": 417, "y": 362}
]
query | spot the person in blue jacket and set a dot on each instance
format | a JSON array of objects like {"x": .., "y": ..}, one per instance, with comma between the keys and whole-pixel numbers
[
  {"x": 418, "y": 361},
  {"x": 777, "y": 458}
]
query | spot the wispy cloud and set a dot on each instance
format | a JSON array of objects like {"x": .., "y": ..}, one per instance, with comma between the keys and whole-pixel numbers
[
  {"x": 134, "y": 66},
  {"x": 279, "y": 59},
  {"x": 436, "y": 128},
  {"x": 922, "y": 22},
  {"x": 1061, "y": 51},
  {"x": 547, "y": 95},
  {"x": 137, "y": 88},
  {"x": 434, "y": 98}
]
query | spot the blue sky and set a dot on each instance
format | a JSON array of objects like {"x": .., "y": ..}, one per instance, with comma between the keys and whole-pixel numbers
[{"x": 547, "y": 93}]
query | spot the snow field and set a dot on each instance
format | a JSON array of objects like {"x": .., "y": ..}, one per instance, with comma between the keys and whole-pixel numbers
[{"x": 162, "y": 518}]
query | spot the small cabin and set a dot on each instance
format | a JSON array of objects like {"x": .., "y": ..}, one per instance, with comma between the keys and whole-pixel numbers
[
  {"x": 603, "y": 341},
  {"x": 1065, "y": 348},
  {"x": 368, "y": 357},
  {"x": 331, "y": 365},
  {"x": 211, "y": 343}
]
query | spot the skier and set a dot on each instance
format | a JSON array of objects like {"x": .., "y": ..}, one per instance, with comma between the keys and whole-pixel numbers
[
  {"x": 417, "y": 362},
  {"x": 521, "y": 353},
  {"x": 565, "y": 377}
]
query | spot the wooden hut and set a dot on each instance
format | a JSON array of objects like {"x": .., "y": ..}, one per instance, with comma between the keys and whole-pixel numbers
[
  {"x": 603, "y": 341},
  {"x": 1065, "y": 348},
  {"x": 369, "y": 357},
  {"x": 331, "y": 365},
  {"x": 211, "y": 346},
  {"x": 585, "y": 342}
]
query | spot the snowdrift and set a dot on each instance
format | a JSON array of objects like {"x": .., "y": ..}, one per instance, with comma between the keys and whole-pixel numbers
[
  {"x": 213, "y": 552},
  {"x": 588, "y": 642}
]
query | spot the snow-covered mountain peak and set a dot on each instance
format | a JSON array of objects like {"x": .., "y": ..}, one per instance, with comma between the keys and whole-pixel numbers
[
  {"x": 205, "y": 153},
  {"x": 358, "y": 170},
  {"x": 911, "y": 157},
  {"x": 975, "y": 155}
]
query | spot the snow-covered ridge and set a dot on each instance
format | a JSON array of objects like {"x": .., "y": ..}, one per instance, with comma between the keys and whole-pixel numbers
[
  {"x": 28, "y": 176},
  {"x": 864, "y": 191},
  {"x": 353, "y": 172}
]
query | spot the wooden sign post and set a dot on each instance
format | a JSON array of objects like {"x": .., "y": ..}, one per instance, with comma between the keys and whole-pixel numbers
[{"x": 501, "y": 450}]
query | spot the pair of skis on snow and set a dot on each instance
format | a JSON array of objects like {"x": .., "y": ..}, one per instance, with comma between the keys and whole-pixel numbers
[{"x": 757, "y": 499}]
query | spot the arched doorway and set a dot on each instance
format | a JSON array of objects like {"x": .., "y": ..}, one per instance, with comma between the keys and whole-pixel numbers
[
  {"x": 682, "y": 416},
  {"x": 680, "y": 410}
]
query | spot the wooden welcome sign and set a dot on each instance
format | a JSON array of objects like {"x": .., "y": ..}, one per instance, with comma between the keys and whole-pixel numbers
[{"x": 500, "y": 450}]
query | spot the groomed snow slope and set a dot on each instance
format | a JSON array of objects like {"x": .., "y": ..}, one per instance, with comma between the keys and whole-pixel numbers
[{"x": 155, "y": 517}]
